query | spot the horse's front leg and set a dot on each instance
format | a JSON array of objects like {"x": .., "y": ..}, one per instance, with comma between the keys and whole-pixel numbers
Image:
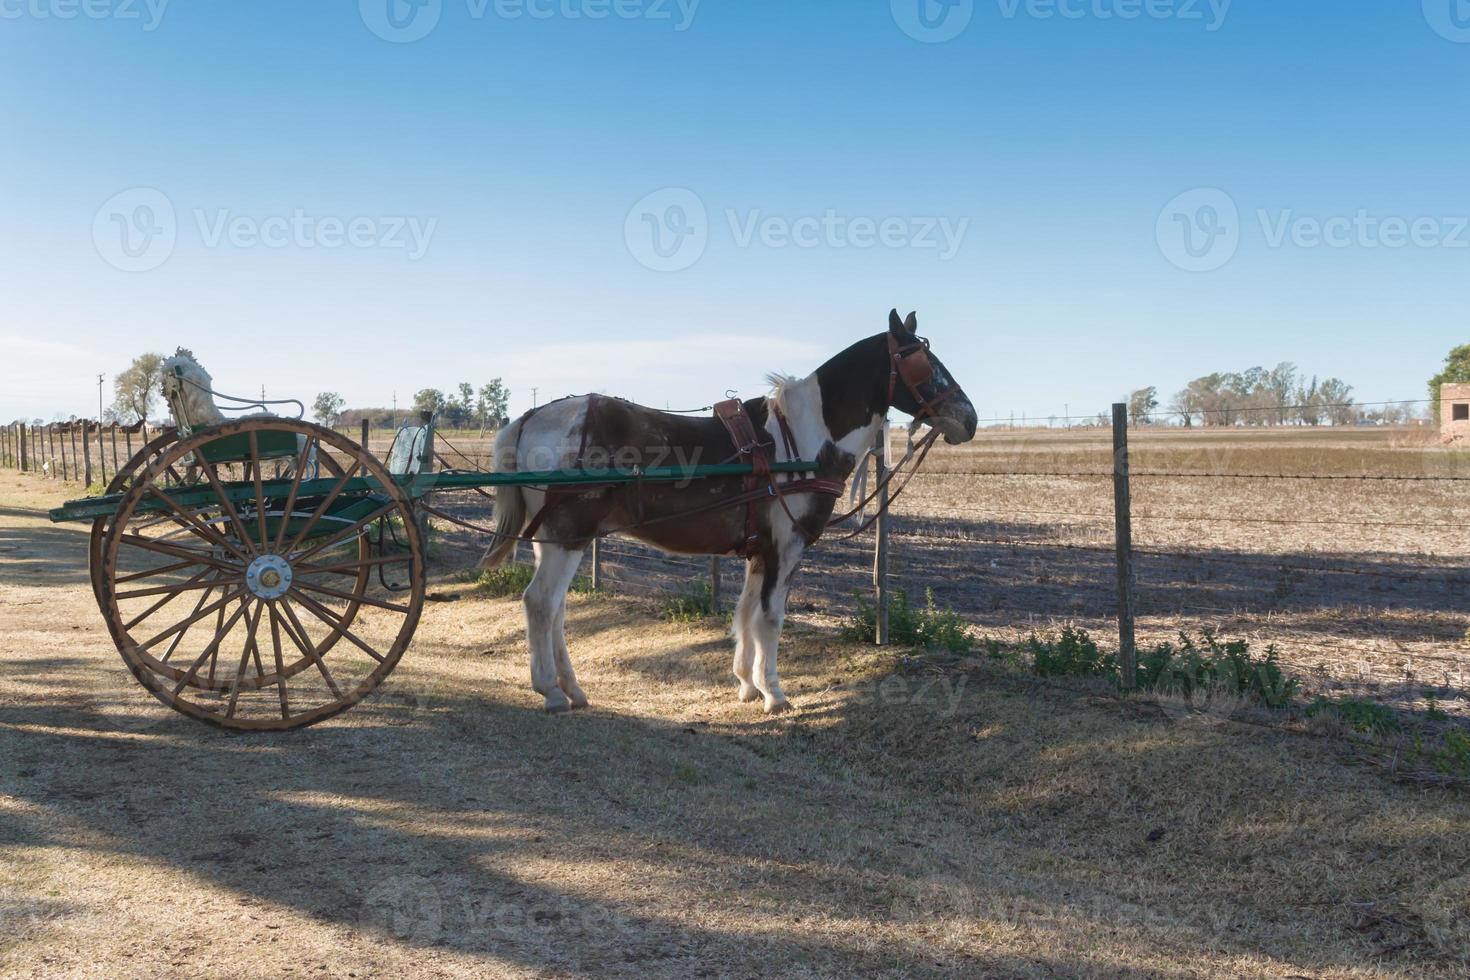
[
  {"x": 743, "y": 625},
  {"x": 767, "y": 620},
  {"x": 555, "y": 568}
]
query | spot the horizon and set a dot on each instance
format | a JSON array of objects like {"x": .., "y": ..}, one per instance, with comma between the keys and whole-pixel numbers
[{"x": 672, "y": 199}]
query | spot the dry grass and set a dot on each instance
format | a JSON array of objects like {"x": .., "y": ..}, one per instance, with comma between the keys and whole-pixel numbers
[{"x": 959, "y": 820}]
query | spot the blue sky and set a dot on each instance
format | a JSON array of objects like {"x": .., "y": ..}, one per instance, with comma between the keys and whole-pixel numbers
[{"x": 327, "y": 208}]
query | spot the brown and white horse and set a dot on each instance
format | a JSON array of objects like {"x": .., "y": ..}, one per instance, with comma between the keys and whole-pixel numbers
[{"x": 833, "y": 416}]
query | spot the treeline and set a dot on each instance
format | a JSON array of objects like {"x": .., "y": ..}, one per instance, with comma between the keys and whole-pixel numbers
[
  {"x": 1259, "y": 396},
  {"x": 466, "y": 408}
]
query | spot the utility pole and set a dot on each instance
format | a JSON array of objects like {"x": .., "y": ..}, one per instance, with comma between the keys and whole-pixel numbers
[
  {"x": 99, "y": 396},
  {"x": 533, "y": 396}
]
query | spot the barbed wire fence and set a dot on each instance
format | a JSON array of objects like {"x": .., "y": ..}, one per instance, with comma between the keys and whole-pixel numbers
[{"x": 1016, "y": 548}]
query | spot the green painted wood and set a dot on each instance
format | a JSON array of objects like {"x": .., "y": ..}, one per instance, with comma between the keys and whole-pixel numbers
[{"x": 89, "y": 508}]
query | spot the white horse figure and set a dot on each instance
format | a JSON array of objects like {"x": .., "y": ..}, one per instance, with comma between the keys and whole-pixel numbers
[
  {"x": 832, "y": 416},
  {"x": 189, "y": 391}
]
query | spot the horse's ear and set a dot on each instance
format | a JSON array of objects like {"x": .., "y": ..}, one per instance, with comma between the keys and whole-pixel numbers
[
  {"x": 895, "y": 324},
  {"x": 912, "y": 323}
]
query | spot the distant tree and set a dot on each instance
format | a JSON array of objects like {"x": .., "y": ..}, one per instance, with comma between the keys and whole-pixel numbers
[
  {"x": 429, "y": 400},
  {"x": 1337, "y": 401},
  {"x": 1280, "y": 384},
  {"x": 327, "y": 409},
  {"x": 493, "y": 403},
  {"x": 136, "y": 390},
  {"x": 1142, "y": 403},
  {"x": 1456, "y": 371},
  {"x": 1309, "y": 398}
]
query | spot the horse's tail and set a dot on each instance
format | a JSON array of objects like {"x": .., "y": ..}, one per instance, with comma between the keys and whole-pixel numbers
[{"x": 510, "y": 502}]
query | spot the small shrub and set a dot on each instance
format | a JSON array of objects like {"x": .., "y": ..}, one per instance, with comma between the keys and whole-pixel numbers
[
  {"x": 928, "y": 626},
  {"x": 1213, "y": 664},
  {"x": 512, "y": 579},
  {"x": 1072, "y": 654},
  {"x": 696, "y": 602},
  {"x": 1361, "y": 716}
]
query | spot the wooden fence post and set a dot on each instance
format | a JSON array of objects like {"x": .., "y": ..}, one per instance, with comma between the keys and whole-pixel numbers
[
  {"x": 5, "y": 446},
  {"x": 596, "y": 564},
  {"x": 75, "y": 466},
  {"x": 365, "y": 433},
  {"x": 1123, "y": 530},
  {"x": 51, "y": 449},
  {"x": 714, "y": 585},
  {"x": 38, "y": 446},
  {"x": 25, "y": 461},
  {"x": 86, "y": 455},
  {"x": 880, "y": 548},
  {"x": 101, "y": 454},
  {"x": 128, "y": 440},
  {"x": 115, "y": 467}
]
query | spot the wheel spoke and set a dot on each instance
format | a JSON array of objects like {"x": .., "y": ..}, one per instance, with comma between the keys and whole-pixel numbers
[
  {"x": 350, "y": 567},
  {"x": 224, "y": 499},
  {"x": 180, "y": 638},
  {"x": 176, "y": 566},
  {"x": 250, "y": 645},
  {"x": 207, "y": 532},
  {"x": 212, "y": 650},
  {"x": 306, "y": 452},
  {"x": 347, "y": 532},
  {"x": 173, "y": 591},
  {"x": 194, "y": 556},
  {"x": 351, "y": 597},
  {"x": 188, "y": 586},
  {"x": 310, "y": 650},
  {"x": 259, "y": 491},
  {"x": 280, "y": 663},
  {"x": 325, "y": 615},
  {"x": 321, "y": 508},
  {"x": 194, "y": 618}
]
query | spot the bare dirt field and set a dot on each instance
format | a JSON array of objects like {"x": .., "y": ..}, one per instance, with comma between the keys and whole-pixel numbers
[{"x": 915, "y": 816}]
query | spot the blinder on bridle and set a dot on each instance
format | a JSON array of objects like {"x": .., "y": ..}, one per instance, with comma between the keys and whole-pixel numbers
[{"x": 910, "y": 364}]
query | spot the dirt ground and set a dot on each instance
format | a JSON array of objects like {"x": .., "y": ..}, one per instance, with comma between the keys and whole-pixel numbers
[{"x": 906, "y": 820}]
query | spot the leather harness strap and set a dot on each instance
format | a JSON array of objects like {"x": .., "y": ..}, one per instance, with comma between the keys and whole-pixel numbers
[{"x": 910, "y": 364}]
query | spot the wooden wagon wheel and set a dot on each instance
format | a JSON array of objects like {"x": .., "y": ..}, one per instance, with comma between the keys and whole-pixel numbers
[
  {"x": 177, "y": 475},
  {"x": 225, "y": 602}
]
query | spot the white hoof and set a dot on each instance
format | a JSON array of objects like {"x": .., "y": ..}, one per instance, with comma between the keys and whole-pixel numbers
[
  {"x": 556, "y": 703},
  {"x": 774, "y": 707},
  {"x": 575, "y": 695},
  {"x": 749, "y": 692}
]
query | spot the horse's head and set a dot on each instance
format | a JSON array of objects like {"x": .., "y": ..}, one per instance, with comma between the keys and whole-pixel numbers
[
  {"x": 921, "y": 386},
  {"x": 187, "y": 388}
]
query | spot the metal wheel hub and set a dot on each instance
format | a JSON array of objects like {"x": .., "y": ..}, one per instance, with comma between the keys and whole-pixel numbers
[{"x": 268, "y": 577}]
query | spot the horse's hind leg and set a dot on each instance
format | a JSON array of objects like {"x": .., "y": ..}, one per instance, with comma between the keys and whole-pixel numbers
[
  {"x": 555, "y": 568},
  {"x": 566, "y": 677},
  {"x": 744, "y": 638}
]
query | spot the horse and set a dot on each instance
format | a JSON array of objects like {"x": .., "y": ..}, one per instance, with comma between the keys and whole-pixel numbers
[{"x": 833, "y": 416}]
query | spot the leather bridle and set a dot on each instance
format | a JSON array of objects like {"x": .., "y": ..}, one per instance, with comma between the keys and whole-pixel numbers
[{"x": 910, "y": 364}]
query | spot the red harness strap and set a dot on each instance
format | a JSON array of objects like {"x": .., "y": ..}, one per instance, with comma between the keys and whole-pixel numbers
[{"x": 758, "y": 453}]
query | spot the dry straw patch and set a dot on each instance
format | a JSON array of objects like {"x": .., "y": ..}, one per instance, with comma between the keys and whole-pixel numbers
[{"x": 983, "y": 825}]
